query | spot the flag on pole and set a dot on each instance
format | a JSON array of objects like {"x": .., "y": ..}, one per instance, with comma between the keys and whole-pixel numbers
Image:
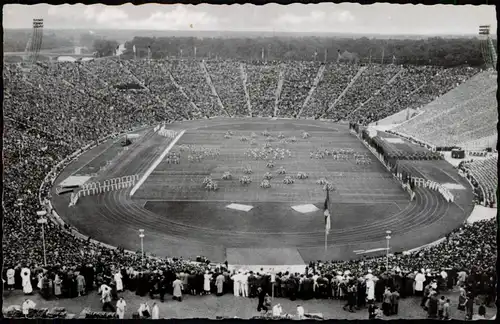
[{"x": 327, "y": 213}]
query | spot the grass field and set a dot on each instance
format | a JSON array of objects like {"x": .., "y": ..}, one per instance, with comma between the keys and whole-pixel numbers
[{"x": 354, "y": 183}]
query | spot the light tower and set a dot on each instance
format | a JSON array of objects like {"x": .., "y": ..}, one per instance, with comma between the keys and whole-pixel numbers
[
  {"x": 487, "y": 47},
  {"x": 35, "y": 41}
]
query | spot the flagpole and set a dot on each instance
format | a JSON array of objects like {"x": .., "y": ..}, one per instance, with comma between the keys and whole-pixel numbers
[{"x": 326, "y": 246}]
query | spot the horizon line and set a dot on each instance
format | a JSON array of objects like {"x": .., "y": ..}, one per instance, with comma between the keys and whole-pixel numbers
[{"x": 249, "y": 31}]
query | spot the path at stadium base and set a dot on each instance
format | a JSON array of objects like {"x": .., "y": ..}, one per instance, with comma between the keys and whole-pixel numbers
[
  {"x": 230, "y": 306},
  {"x": 181, "y": 219}
]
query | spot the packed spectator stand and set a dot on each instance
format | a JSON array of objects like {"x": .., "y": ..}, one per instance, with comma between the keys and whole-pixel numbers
[
  {"x": 55, "y": 109},
  {"x": 483, "y": 175},
  {"x": 463, "y": 114}
]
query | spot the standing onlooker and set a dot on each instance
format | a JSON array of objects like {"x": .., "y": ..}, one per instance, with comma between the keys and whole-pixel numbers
[
  {"x": 57, "y": 286},
  {"x": 106, "y": 300},
  {"x": 370, "y": 290},
  {"x": 441, "y": 303},
  {"x": 395, "y": 301},
  {"x": 469, "y": 306},
  {"x": 433, "y": 305},
  {"x": 419, "y": 283},
  {"x": 261, "y": 295},
  {"x": 11, "y": 279},
  {"x": 206, "y": 282},
  {"x": 177, "y": 285},
  {"x": 155, "y": 311},
  {"x": 446, "y": 310},
  {"x": 120, "y": 308},
  {"x": 386, "y": 304},
  {"x": 462, "y": 299},
  {"x": 80, "y": 282},
  {"x": 219, "y": 282},
  {"x": 300, "y": 312}
]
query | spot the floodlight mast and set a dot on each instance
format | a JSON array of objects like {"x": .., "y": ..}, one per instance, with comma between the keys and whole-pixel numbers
[
  {"x": 487, "y": 47},
  {"x": 35, "y": 41}
]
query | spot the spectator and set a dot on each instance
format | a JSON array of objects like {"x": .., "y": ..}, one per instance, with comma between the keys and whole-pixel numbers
[
  {"x": 106, "y": 301},
  {"x": 395, "y": 301},
  {"x": 300, "y": 312},
  {"x": 144, "y": 311},
  {"x": 27, "y": 305},
  {"x": 387, "y": 302},
  {"x": 446, "y": 310},
  {"x": 277, "y": 310},
  {"x": 121, "y": 308},
  {"x": 178, "y": 287},
  {"x": 155, "y": 312},
  {"x": 433, "y": 305}
]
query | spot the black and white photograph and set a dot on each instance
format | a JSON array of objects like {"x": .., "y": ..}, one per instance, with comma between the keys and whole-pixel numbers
[{"x": 301, "y": 161}]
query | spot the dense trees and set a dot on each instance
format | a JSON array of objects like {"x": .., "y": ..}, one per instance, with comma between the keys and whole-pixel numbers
[
  {"x": 430, "y": 51},
  {"x": 105, "y": 47}
]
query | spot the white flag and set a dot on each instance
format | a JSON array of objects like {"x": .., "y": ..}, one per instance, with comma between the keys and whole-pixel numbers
[
  {"x": 327, "y": 222},
  {"x": 133, "y": 48}
]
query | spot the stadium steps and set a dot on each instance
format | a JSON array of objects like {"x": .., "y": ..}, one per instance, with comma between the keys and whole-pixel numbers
[
  {"x": 244, "y": 78},
  {"x": 142, "y": 83},
  {"x": 360, "y": 71},
  {"x": 279, "y": 88},
  {"x": 376, "y": 93},
  {"x": 316, "y": 81},
  {"x": 212, "y": 87},
  {"x": 181, "y": 90}
]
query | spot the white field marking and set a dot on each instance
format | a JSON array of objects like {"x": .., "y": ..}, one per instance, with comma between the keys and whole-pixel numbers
[
  {"x": 155, "y": 164},
  {"x": 304, "y": 209},
  {"x": 240, "y": 207}
]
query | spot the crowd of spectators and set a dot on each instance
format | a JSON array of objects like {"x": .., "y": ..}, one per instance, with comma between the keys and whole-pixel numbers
[
  {"x": 228, "y": 81},
  {"x": 483, "y": 176},
  {"x": 334, "y": 81},
  {"x": 262, "y": 81},
  {"x": 464, "y": 114},
  {"x": 298, "y": 80},
  {"x": 55, "y": 109}
]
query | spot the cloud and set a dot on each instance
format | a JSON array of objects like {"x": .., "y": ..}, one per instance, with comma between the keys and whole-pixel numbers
[
  {"x": 293, "y": 19},
  {"x": 315, "y": 20},
  {"x": 180, "y": 18},
  {"x": 343, "y": 16},
  {"x": 105, "y": 16}
]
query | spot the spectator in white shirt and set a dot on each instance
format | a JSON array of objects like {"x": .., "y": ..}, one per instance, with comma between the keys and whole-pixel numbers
[
  {"x": 27, "y": 305},
  {"x": 277, "y": 310},
  {"x": 300, "y": 312},
  {"x": 120, "y": 308}
]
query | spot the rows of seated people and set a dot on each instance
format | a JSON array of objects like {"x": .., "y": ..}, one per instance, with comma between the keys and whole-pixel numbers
[
  {"x": 464, "y": 114},
  {"x": 485, "y": 174},
  {"x": 56, "y": 109}
]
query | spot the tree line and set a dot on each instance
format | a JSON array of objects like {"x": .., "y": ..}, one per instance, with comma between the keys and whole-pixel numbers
[{"x": 431, "y": 51}]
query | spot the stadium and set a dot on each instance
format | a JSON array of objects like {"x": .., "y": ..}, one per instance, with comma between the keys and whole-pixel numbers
[{"x": 262, "y": 166}]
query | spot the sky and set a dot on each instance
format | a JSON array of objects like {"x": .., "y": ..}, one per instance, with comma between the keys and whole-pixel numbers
[{"x": 381, "y": 18}]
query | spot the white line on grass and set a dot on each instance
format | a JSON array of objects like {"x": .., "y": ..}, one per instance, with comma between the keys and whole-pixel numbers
[{"x": 155, "y": 164}]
